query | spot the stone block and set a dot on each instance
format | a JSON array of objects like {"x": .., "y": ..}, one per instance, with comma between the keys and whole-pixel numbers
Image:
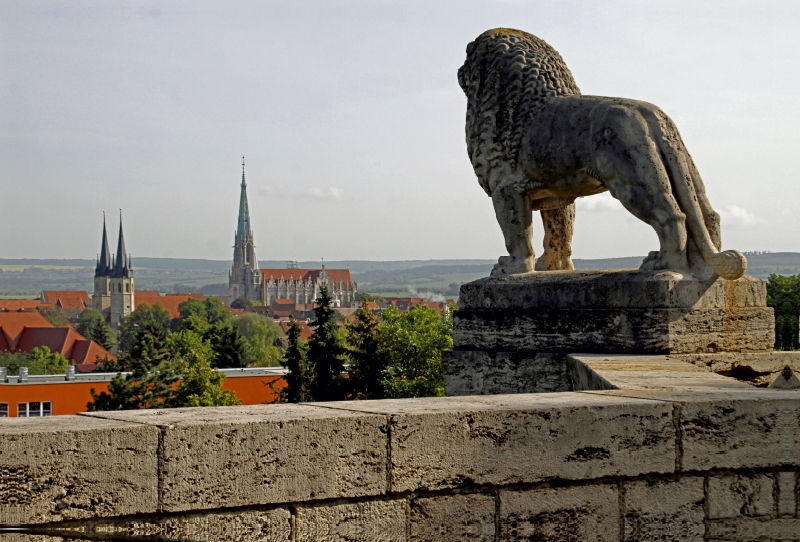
[
  {"x": 618, "y": 331},
  {"x": 610, "y": 288},
  {"x": 648, "y": 372},
  {"x": 787, "y": 494},
  {"x": 664, "y": 510},
  {"x": 588, "y": 513},
  {"x": 374, "y": 520},
  {"x": 451, "y": 442},
  {"x": 235, "y": 526},
  {"x": 740, "y": 495},
  {"x": 617, "y": 311},
  {"x": 239, "y": 456},
  {"x": 453, "y": 518},
  {"x": 754, "y": 428},
  {"x": 490, "y": 373},
  {"x": 753, "y": 529},
  {"x": 68, "y": 467}
]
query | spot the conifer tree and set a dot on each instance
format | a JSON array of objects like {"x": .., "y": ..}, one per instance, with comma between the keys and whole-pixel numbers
[
  {"x": 368, "y": 366},
  {"x": 93, "y": 326},
  {"x": 326, "y": 352},
  {"x": 297, "y": 378},
  {"x": 149, "y": 382}
]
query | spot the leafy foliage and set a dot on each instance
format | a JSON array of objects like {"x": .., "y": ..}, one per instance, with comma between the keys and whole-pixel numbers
[
  {"x": 39, "y": 361},
  {"x": 298, "y": 377},
  {"x": 368, "y": 359},
  {"x": 263, "y": 339},
  {"x": 327, "y": 352},
  {"x": 141, "y": 318},
  {"x": 783, "y": 295},
  {"x": 413, "y": 343},
  {"x": 166, "y": 371},
  {"x": 54, "y": 316},
  {"x": 241, "y": 303},
  {"x": 93, "y": 326}
]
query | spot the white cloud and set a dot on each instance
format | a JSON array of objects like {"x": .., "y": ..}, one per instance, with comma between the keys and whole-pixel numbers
[
  {"x": 598, "y": 203},
  {"x": 737, "y": 218},
  {"x": 330, "y": 193}
]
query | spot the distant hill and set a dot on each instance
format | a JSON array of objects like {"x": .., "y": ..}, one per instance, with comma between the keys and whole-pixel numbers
[{"x": 386, "y": 277}]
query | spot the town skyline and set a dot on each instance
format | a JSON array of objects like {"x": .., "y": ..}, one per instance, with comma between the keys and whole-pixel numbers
[{"x": 358, "y": 153}]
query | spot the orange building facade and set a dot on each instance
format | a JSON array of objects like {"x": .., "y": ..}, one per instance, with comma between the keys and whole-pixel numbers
[{"x": 54, "y": 395}]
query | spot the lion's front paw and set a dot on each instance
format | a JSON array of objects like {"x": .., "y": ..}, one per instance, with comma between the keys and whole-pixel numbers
[{"x": 509, "y": 265}]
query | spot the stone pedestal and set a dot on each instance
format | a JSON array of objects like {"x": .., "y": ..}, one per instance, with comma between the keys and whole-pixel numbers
[{"x": 512, "y": 334}]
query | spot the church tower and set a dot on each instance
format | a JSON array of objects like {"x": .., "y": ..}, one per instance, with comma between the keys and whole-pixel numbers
[
  {"x": 244, "y": 279},
  {"x": 121, "y": 282},
  {"x": 101, "y": 298}
]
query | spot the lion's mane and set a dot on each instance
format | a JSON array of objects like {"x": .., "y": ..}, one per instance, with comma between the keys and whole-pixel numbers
[{"x": 498, "y": 114}]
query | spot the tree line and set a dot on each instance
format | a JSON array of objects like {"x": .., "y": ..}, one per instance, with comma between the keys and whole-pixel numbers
[{"x": 396, "y": 355}]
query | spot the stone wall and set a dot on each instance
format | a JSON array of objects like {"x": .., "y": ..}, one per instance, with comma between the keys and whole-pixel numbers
[{"x": 691, "y": 461}]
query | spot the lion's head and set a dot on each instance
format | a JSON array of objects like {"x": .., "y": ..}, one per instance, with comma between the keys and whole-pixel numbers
[{"x": 531, "y": 73}]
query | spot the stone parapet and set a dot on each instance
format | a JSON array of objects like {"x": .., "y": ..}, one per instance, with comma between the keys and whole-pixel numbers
[{"x": 664, "y": 463}]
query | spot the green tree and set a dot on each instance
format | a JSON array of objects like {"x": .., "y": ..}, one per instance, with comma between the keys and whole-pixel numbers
[
  {"x": 229, "y": 347},
  {"x": 92, "y": 325},
  {"x": 241, "y": 303},
  {"x": 783, "y": 295},
  {"x": 39, "y": 361},
  {"x": 263, "y": 339},
  {"x": 200, "y": 384},
  {"x": 211, "y": 309},
  {"x": 142, "y": 317},
  {"x": 298, "y": 376},
  {"x": 368, "y": 360},
  {"x": 54, "y": 316},
  {"x": 166, "y": 371},
  {"x": 327, "y": 351},
  {"x": 413, "y": 343},
  {"x": 151, "y": 377}
]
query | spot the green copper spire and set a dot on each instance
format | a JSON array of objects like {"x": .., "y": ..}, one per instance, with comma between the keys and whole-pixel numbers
[{"x": 244, "y": 211}]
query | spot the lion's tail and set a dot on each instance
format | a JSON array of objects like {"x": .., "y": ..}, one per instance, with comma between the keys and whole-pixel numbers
[{"x": 701, "y": 220}]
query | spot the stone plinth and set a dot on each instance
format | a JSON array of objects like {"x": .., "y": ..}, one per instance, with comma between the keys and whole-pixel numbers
[{"x": 512, "y": 334}]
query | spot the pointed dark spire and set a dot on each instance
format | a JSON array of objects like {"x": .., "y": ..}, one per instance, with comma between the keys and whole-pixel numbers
[
  {"x": 244, "y": 211},
  {"x": 103, "y": 268},
  {"x": 121, "y": 267}
]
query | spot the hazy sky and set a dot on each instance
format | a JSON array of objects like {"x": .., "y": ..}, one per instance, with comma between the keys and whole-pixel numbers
[{"x": 352, "y": 121}]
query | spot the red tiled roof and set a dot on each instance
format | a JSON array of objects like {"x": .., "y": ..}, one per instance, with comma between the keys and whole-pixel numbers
[
  {"x": 64, "y": 340},
  {"x": 71, "y": 303},
  {"x": 17, "y": 304},
  {"x": 51, "y": 296},
  {"x": 334, "y": 275},
  {"x": 146, "y": 292},
  {"x": 13, "y": 323},
  {"x": 305, "y": 331},
  {"x": 284, "y": 302},
  {"x": 170, "y": 302},
  {"x": 371, "y": 305}
]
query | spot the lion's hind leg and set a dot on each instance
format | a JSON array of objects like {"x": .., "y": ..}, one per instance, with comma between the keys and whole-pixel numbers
[
  {"x": 558, "y": 227},
  {"x": 632, "y": 169}
]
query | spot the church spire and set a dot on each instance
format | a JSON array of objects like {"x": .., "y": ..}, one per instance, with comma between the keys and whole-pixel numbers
[
  {"x": 244, "y": 211},
  {"x": 121, "y": 267},
  {"x": 103, "y": 268}
]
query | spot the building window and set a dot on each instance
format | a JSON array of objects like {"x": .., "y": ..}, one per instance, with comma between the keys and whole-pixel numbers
[
  {"x": 34, "y": 409},
  {"x": 127, "y": 288},
  {"x": 3, "y": 410}
]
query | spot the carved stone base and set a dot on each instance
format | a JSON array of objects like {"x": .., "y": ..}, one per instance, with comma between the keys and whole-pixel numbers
[
  {"x": 512, "y": 334},
  {"x": 617, "y": 311}
]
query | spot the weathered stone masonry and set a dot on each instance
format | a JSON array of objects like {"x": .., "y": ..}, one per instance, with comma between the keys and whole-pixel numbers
[{"x": 619, "y": 464}]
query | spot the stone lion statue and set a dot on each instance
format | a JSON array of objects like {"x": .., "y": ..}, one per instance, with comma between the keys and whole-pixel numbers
[{"x": 536, "y": 143}]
